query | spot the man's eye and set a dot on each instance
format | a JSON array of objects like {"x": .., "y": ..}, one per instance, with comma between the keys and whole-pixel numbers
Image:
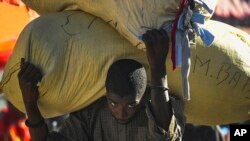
[
  {"x": 113, "y": 104},
  {"x": 131, "y": 105}
]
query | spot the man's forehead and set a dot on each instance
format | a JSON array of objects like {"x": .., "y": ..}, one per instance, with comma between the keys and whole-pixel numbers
[{"x": 129, "y": 98}]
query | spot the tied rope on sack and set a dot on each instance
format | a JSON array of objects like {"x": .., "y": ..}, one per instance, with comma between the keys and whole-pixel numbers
[{"x": 188, "y": 21}]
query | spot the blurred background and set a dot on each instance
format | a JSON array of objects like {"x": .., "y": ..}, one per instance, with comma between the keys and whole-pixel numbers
[
  {"x": 234, "y": 12},
  {"x": 14, "y": 15}
]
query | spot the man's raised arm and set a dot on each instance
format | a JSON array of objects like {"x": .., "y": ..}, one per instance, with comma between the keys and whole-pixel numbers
[
  {"x": 28, "y": 78},
  {"x": 157, "y": 45}
]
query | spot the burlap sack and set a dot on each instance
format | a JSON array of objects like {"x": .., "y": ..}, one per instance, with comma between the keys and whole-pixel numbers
[
  {"x": 74, "y": 51},
  {"x": 131, "y": 18}
]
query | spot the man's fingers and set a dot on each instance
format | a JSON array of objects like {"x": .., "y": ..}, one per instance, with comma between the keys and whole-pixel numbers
[
  {"x": 164, "y": 34},
  {"x": 146, "y": 39},
  {"x": 37, "y": 78},
  {"x": 148, "y": 42},
  {"x": 165, "y": 38},
  {"x": 23, "y": 68},
  {"x": 156, "y": 33},
  {"x": 154, "y": 39},
  {"x": 32, "y": 74},
  {"x": 153, "y": 35},
  {"x": 28, "y": 69},
  {"x": 37, "y": 75},
  {"x": 33, "y": 77}
]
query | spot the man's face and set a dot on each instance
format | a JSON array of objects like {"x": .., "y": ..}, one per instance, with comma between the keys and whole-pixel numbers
[{"x": 123, "y": 108}]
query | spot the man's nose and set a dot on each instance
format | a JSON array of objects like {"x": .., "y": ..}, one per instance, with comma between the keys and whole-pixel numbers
[{"x": 122, "y": 113}]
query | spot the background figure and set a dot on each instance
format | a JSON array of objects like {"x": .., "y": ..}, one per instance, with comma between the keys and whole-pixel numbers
[
  {"x": 233, "y": 12},
  {"x": 202, "y": 133},
  {"x": 12, "y": 127}
]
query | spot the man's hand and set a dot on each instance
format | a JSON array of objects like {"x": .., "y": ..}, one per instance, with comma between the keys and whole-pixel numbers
[
  {"x": 157, "y": 45},
  {"x": 28, "y": 78}
]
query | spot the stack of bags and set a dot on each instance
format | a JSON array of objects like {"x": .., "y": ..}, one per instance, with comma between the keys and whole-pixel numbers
[{"x": 74, "y": 50}]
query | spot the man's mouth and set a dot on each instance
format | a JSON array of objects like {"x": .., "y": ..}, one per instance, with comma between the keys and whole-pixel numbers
[{"x": 122, "y": 121}]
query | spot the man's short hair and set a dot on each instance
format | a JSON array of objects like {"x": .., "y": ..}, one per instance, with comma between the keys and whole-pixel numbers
[{"x": 126, "y": 77}]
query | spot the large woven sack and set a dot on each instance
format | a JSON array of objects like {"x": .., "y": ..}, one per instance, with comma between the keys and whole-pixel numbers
[
  {"x": 131, "y": 18},
  {"x": 74, "y": 51}
]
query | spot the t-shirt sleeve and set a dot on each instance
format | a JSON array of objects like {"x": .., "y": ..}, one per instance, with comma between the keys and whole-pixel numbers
[
  {"x": 79, "y": 125},
  {"x": 177, "y": 123},
  {"x": 76, "y": 127}
]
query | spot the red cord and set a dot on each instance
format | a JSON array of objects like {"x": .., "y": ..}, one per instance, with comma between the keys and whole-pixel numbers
[{"x": 173, "y": 32}]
